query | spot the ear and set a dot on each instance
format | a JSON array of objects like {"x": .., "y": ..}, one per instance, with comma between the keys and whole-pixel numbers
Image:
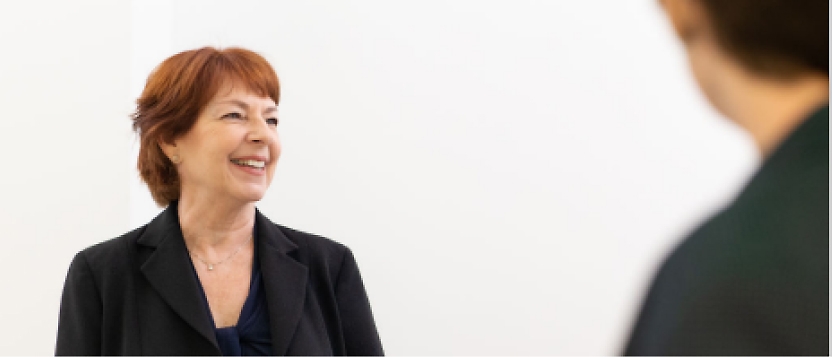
[
  {"x": 687, "y": 18},
  {"x": 171, "y": 151}
]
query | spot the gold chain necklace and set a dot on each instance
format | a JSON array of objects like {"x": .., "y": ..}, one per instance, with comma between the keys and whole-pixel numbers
[{"x": 211, "y": 265}]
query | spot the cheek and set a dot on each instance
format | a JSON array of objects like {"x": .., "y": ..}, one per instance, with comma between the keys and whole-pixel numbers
[
  {"x": 276, "y": 147},
  {"x": 699, "y": 68},
  {"x": 209, "y": 157},
  {"x": 704, "y": 63}
]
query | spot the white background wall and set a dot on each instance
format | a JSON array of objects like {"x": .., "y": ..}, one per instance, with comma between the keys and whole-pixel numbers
[
  {"x": 508, "y": 173},
  {"x": 64, "y": 86}
]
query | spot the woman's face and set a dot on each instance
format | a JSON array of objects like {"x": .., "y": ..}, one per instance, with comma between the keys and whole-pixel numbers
[{"x": 232, "y": 149}]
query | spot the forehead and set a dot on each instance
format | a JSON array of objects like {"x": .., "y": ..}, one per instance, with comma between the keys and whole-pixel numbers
[{"x": 233, "y": 92}]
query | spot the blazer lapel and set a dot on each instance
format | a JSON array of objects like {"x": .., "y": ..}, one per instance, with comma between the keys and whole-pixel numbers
[
  {"x": 284, "y": 280},
  {"x": 169, "y": 271}
]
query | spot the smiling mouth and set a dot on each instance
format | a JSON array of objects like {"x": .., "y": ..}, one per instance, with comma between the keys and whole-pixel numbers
[{"x": 257, "y": 164}]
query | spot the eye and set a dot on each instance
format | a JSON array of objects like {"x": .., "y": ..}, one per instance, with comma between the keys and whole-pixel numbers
[
  {"x": 233, "y": 115},
  {"x": 273, "y": 121}
]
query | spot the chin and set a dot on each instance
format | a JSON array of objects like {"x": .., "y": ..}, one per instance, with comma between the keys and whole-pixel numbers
[
  {"x": 712, "y": 91},
  {"x": 254, "y": 197},
  {"x": 250, "y": 195}
]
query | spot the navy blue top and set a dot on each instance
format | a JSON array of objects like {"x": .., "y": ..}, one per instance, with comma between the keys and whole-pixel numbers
[{"x": 252, "y": 334}]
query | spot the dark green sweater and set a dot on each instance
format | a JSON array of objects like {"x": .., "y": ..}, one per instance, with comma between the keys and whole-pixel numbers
[{"x": 754, "y": 279}]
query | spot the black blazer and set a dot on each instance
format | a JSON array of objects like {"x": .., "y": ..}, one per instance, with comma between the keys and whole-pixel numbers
[
  {"x": 137, "y": 295},
  {"x": 754, "y": 280}
]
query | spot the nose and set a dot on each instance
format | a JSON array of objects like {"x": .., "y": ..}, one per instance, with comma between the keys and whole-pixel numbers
[{"x": 259, "y": 131}]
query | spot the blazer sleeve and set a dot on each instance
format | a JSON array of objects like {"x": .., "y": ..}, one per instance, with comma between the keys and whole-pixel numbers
[
  {"x": 359, "y": 328},
  {"x": 79, "y": 322}
]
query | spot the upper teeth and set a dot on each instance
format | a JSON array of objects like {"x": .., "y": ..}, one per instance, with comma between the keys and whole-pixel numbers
[{"x": 253, "y": 163}]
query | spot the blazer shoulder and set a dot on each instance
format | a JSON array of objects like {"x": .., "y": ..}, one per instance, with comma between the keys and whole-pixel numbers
[
  {"x": 321, "y": 254},
  {"x": 112, "y": 252},
  {"x": 313, "y": 243}
]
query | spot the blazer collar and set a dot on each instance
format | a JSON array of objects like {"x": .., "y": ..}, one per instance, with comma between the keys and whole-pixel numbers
[
  {"x": 169, "y": 271},
  {"x": 284, "y": 280}
]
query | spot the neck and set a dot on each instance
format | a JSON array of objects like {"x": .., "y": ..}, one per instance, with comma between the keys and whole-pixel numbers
[
  {"x": 769, "y": 110},
  {"x": 210, "y": 224}
]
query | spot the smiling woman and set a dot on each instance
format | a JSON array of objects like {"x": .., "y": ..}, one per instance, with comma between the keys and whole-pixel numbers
[
  {"x": 196, "y": 95},
  {"x": 211, "y": 274}
]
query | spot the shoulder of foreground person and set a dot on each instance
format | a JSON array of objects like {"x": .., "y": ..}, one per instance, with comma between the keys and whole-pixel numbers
[{"x": 753, "y": 280}]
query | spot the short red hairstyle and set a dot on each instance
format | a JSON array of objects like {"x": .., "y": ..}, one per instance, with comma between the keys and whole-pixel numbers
[{"x": 176, "y": 93}]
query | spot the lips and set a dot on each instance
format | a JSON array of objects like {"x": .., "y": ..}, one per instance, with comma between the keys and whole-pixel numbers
[{"x": 254, "y": 163}]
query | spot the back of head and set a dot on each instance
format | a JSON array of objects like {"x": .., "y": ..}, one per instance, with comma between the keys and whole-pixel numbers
[{"x": 774, "y": 38}]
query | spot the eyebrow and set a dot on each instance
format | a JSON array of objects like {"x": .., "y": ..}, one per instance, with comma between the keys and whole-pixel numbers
[{"x": 243, "y": 105}]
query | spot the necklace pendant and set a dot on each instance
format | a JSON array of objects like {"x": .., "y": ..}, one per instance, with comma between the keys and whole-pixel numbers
[{"x": 210, "y": 266}]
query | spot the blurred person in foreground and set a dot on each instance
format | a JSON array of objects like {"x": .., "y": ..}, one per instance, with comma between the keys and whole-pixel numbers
[
  {"x": 211, "y": 275},
  {"x": 754, "y": 279}
]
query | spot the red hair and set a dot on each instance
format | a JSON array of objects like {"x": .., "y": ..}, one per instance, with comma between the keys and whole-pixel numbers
[{"x": 176, "y": 93}]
